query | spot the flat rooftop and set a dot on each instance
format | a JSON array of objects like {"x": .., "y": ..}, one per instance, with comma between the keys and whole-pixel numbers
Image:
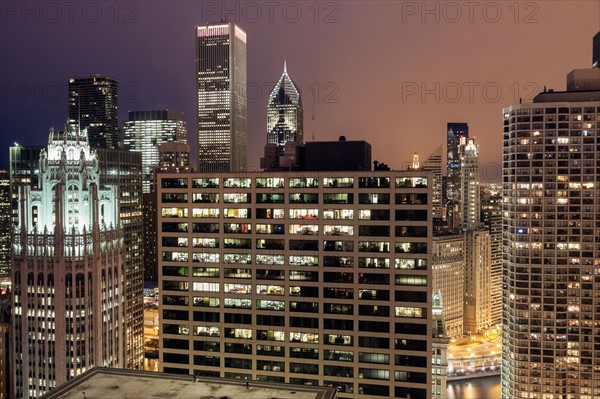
[{"x": 102, "y": 383}]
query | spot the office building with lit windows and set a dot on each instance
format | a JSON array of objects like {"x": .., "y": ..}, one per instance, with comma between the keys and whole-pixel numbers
[
  {"x": 67, "y": 270},
  {"x": 221, "y": 95},
  {"x": 457, "y": 134},
  {"x": 311, "y": 278},
  {"x": 551, "y": 201},
  {"x": 94, "y": 105},
  {"x": 146, "y": 130},
  {"x": 448, "y": 271}
]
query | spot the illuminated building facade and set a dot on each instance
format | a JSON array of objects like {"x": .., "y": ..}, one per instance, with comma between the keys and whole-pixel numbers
[
  {"x": 457, "y": 134},
  {"x": 284, "y": 113},
  {"x": 23, "y": 161},
  {"x": 94, "y": 105},
  {"x": 146, "y": 130},
  {"x": 439, "y": 351},
  {"x": 67, "y": 270},
  {"x": 123, "y": 169},
  {"x": 221, "y": 96},
  {"x": 449, "y": 280},
  {"x": 491, "y": 216},
  {"x": 551, "y": 202},
  {"x": 310, "y": 278}
]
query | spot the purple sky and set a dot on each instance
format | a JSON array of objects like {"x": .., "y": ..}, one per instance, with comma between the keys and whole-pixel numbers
[{"x": 391, "y": 73}]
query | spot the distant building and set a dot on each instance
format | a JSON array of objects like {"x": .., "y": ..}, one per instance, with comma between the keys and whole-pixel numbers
[
  {"x": 448, "y": 268},
  {"x": 312, "y": 278},
  {"x": 221, "y": 95},
  {"x": 125, "y": 384},
  {"x": 123, "y": 169},
  {"x": 457, "y": 134},
  {"x": 23, "y": 161},
  {"x": 491, "y": 216},
  {"x": 6, "y": 225},
  {"x": 67, "y": 271},
  {"x": 94, "y": 105},
  {"x": 284, "y": 113},
  {"x": 6, "y": 348},
  {"x": 439, "y": 351},
  {"x": 146, "y": 130},
  {"x": 174, "y": 157},
  {"x": 338, "y": 155}
]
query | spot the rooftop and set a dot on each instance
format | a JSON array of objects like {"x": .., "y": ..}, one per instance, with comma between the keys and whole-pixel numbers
[{"x": 101, "y": 383}]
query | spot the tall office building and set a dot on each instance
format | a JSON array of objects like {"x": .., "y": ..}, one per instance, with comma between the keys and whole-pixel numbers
[
  {"x": 491, "y": 217},
  {"x": 284, "y": 113},
  {"x": 221, "y": 95},
  {"x": 93, "y": 105},
  {"x": 6, "y": 225},
  {"x": 23, "y": 161},
  {"x": 550, "y": 218},
  {"x": 439, "y": 352},
  {"x": 477, "y": 310},
  {"x": 123, "y": 169},
  {"x": 596, "y": 51},
  {"x": 448, "y": 270},
  {"x": 146, "y": 130},
  {"x": 68, "y": 305},
  {"x": 434, "y": 165},
  {"x": 311, "y": 278},
  {"x": 457, "y": 134}
]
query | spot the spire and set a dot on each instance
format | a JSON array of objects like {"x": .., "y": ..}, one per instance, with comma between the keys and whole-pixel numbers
[{"x": 284, "y": 65}]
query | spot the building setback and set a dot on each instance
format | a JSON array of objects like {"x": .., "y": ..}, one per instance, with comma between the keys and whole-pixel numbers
[
  {"x": 221, "y": 95},
  {"x": 312, "y": 278},
  {"x": 67, "y": 270}
]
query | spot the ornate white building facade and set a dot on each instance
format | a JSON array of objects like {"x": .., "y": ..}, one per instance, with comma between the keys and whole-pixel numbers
[{"x": 68, "y": 311}]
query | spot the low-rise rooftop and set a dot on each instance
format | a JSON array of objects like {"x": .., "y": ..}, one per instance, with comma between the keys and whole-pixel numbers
[{"x": 102, "y": 383}]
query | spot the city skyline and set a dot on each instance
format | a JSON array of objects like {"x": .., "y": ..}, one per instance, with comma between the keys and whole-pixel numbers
[{"x": 338, "y": 93}]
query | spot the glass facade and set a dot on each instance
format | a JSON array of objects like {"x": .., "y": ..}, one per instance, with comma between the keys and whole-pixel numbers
[{"x": 284, "y": 113}]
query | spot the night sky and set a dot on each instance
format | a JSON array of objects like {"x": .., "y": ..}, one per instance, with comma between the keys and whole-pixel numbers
[{"x": 361, "y": 65}]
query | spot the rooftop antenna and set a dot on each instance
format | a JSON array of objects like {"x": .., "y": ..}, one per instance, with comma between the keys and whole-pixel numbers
[{"x": 284, "y": 66}]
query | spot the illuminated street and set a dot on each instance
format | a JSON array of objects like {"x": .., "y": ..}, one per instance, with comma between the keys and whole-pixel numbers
[{"x": 475, "y": 354}]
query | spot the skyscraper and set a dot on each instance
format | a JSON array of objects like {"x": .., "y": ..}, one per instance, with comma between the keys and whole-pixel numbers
[
  {"x": 93, "y": 105},
  {"x": 146, "y": 130},
  {"x": 284, "y": 113},
  {"x": 123, "y": 169},
  {"x": 551, "y": 213},
  {"x": 469, "y": 172},
  {"x": 457, "y": 134},
  {"x": 221, "y": 95},
  {"x": 23, "y": 161},
  {"x": 68, "y": 302}
]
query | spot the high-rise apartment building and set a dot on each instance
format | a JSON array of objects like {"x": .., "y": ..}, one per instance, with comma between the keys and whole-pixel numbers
[
  {"x": 94, "y": 105},
  {"x": 123, "y": 169},
  {"x": 439, "y": 351},
  {"x": 6, "y": 225},
  {"x": 448, "y": 271},
  {"x": 284, "y": 113},
  {"x": 68, "y": 302},
  {"x": 146, "y": 130},
  {"x": 221, "y": 95},
  {"x": 311, "y": 278},
  {"x": 551, "y": 198}
]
